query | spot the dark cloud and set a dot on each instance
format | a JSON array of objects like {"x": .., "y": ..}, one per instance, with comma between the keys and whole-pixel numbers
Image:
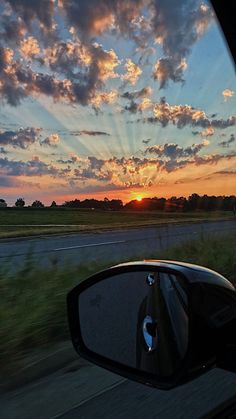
[
  {"x": 146, "y": 141},
  {"x": 11, "y": 30},
  {"x": 132, "y": 107},
  {"x": 177, "y": 29},
  {"x": 9, "y": 87},
  {"x": 22, "y": 138},
  {"x": 174, "y": 151},
  {"x": 51, "y": 141},
  {"x": 72, "y": 160},
  {"x": 33, "y": 167},
  {"x": 93, "y": 133},
  {"x": 30, "y": 10},
  {"x": 2, "y": 150},
  {"x": 225, "y": 172},
  {"x": 82, "y": 174},
  {"x": 169, "y": 69},
  {"x": 227, "y": 143},
  {"x": 146, "y": 91},
  {"x": 92, "y": 18}
]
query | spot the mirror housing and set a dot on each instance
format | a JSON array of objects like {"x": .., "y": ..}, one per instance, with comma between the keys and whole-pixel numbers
[{"x": 206, "y": 298}]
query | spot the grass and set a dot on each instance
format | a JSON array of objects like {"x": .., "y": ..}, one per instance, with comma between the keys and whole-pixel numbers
[
  {"x": 18, "y": 222},
  {"x": 33, "y": 300}
]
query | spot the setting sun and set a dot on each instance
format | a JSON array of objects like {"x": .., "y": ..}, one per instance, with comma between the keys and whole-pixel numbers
[{"x": 139, "y": 198}]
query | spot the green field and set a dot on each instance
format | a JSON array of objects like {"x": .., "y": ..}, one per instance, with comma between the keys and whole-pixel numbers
[
  {"x": 33, "y": 300},
  {"x": 28, "y": 221}
]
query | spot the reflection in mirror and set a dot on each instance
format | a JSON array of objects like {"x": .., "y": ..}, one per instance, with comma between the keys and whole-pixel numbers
[{"x": 139, "y": 319}]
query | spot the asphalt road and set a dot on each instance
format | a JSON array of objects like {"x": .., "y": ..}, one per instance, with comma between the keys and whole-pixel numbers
[
  {"x": 87, "y": 392},
  {"x": 106, "y": 246}
]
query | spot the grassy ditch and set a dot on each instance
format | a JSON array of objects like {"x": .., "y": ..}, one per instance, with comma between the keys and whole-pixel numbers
[
  {"x": 33, "y": 221},
  {"x": 33, "y": 309}
]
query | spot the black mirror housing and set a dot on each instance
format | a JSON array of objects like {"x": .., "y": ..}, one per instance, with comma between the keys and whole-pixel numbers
[{"x": 160, "y": 325}]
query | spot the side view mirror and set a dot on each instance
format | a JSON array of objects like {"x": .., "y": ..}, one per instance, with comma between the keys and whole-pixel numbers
[{"x": 161, "y": 323}]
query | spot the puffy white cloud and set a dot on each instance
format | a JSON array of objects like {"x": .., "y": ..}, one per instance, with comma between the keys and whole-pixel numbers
[
  {"x": 133, "y": 72},
  {"x": 227, "y": 93},
  {"x": 29, "y": 47}
]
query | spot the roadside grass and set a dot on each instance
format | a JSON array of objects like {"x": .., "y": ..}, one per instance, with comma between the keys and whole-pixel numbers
[
  {"x": 30, "y": 221},
  {"x": 33, "y": 299}
]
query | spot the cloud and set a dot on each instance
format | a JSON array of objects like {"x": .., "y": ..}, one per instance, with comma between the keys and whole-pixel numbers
[
  {"x": 209, "y": 131},
  {"x": 147, "y": 141},
  {"x": 82, "y": 61},
  {"x": 93, "y": 133},
  {"x": 167, "y": 69},
  {"x": 176, "y": 30},
  {"x": 182, "y": 115},
  {"x": 72, "y": 160},
  {"x": 75, "y": 70},
  {"x": 174, "y": 151},
  {"x": 85, "y": 69},
  {"x": 227, "y": 93},
  {"x": 52, "y": 140},
  {"x": 136, "y": 94},
  {"x": 31, "y": 10},
  {"x": 12, "y": 29},
  {"x": 133, "y": 72},
  {"x": 3, "y": 151},
  {"x": 225, "y": 172},
  {"x": 33, "y": 167},
  {"x": 227, "y": 143},
  {"x": 22, "y": 138},
  {"x": 29, "y": 47},
  {"x": 135, "y": 107},
  {"x": 92, "y": 18}
]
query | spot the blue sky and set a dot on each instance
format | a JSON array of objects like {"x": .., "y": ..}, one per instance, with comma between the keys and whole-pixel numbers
[{"x": 117, "y": 99}]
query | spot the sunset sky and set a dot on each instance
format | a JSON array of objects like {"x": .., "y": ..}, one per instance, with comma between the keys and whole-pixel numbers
[{"x": 114, "y": 98}]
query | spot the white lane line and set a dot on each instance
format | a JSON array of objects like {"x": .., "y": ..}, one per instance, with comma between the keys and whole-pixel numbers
[{"x": 87, "y": 245}]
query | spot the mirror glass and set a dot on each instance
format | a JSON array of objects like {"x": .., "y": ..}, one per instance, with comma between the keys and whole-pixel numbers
[{"x": 139, "y": 319}]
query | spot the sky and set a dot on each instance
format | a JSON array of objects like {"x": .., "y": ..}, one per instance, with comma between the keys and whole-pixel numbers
[{"x": 113, "y": 98}]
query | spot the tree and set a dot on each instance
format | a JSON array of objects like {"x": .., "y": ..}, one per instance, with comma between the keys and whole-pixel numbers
[
  {"x": 3, "y": 203},
  {"x": 53, "y": 204},
  {"x": 20, "y": 203},
  {"x": 37, "y": 204}
]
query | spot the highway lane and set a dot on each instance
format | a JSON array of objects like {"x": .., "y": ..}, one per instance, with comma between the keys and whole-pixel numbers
[
  {"x": 108, "y": 245},
  {"x": 87, "y": 392}
]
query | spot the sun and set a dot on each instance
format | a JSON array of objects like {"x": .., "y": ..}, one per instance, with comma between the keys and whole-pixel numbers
[{"x": 139, "y": 198}]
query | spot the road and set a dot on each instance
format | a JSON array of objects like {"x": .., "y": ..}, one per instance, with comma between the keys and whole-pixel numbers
[
  {"x": 86, "y": 391},
  {"x": 108, "y": 245}
]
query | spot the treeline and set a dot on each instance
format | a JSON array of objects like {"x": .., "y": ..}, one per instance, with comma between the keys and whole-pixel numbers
[
  {"x": 106, "y": 204},
  {"x": 194, "y": 202}
]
